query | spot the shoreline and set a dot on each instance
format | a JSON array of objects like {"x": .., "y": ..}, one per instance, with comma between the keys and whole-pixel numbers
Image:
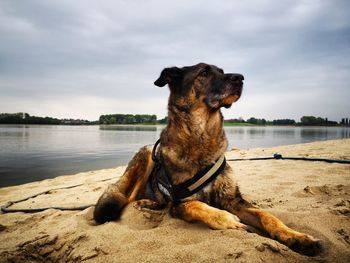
[{"x": 313, "y": 197}]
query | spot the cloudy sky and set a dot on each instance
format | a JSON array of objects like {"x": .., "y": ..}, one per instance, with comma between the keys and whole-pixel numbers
[{"x": 81, "y": 59}]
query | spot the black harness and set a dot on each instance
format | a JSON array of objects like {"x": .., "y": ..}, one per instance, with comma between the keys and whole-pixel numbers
[{"x": 176, "y": 193}]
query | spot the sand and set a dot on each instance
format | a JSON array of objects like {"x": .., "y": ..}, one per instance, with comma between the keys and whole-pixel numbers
[{"x": 313, "y": 197}]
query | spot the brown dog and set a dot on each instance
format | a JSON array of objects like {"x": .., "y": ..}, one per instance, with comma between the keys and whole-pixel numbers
[{"x": 188, "y": 169}]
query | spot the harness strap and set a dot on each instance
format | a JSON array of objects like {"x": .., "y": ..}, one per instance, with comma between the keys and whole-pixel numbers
[
  {"x": 209, "y": 174},
  {"x": 176, "y": 193}
]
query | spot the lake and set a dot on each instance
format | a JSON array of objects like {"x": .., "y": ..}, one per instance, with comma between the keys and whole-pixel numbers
[{"x": 36, "y": 152}]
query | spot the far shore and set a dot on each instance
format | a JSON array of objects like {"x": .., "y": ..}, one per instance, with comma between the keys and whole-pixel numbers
[{"x": 163, "y": 125}]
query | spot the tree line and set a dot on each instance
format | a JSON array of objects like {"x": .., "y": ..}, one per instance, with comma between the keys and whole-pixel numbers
[
  {"x": 304, "y": 121},
  {"x": 25, "y": 118},
  {"x": 128, "y": 119}
]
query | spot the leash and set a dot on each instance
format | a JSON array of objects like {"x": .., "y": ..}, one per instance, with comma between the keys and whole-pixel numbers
[{"x": 278, "y": 156}]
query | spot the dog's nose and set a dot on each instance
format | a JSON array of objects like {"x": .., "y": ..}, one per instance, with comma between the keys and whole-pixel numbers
[{"x": 236, "y": 77}]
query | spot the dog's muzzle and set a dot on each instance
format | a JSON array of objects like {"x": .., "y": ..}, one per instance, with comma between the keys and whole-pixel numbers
[{"x": 235, "y": 77}]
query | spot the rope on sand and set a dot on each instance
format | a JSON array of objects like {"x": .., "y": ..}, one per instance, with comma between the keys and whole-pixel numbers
[
  {"x": 278, "y": 156},
  {"x": 6, "y": 208}
]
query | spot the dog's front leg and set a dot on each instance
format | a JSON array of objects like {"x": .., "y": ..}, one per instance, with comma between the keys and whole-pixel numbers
[
  {"x": 211, "y": 216},
  {"x": 130, "y": 187},
  {"x": 263, "y": 220}
]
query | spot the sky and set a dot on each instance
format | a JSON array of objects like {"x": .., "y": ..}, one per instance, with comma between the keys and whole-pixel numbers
[{"x": 81, "y": 59}]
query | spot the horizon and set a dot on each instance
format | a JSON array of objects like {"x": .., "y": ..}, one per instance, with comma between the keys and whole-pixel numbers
[
  {"x": 81, "y": 59},
  {"x": 162, "y": 118}
]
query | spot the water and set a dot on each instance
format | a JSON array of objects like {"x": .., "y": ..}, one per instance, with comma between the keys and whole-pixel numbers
[{"x": 35, "y": 152}]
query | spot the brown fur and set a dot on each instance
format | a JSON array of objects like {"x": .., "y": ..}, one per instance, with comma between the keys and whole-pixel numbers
[{"x": 195, "y": 138}]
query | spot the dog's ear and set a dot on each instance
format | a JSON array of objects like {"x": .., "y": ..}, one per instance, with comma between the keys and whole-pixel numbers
[{"x": 168, "y": 76}]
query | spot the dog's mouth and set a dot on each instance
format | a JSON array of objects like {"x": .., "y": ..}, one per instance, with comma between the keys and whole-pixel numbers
[
  {"x": 229, "y": 100},
  {"x": 230, "y": 93}
]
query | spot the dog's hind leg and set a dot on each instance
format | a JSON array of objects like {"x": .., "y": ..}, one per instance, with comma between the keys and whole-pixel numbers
[
  {"x": 213, "y": 217},
  {"x": 130, "y": 187}
]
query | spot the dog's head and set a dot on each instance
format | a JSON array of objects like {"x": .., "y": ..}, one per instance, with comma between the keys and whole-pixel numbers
[{"x": 202, "y": 83}]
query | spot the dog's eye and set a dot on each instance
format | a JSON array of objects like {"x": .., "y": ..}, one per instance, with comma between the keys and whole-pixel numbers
[{"x": 205, "y": 72}]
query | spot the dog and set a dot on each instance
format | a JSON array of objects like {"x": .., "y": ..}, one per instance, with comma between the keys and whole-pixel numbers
[{"x": 186, "y": 169}]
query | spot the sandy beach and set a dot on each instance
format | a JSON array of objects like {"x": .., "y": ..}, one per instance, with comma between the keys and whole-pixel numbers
[{"x": 312, "y": 197}]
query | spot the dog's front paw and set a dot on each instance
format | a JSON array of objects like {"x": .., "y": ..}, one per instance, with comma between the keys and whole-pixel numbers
[
  {"x": 226, "y": 220},
  {"x": 108, "y": 208},
  {"x": 237, "y": 225},
  {"x": 306, "y": 245},
  {"x": 300, "y": 242}
]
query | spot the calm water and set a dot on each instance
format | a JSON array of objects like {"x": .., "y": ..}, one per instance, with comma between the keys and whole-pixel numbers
[{"x": 35, "y": 152}]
